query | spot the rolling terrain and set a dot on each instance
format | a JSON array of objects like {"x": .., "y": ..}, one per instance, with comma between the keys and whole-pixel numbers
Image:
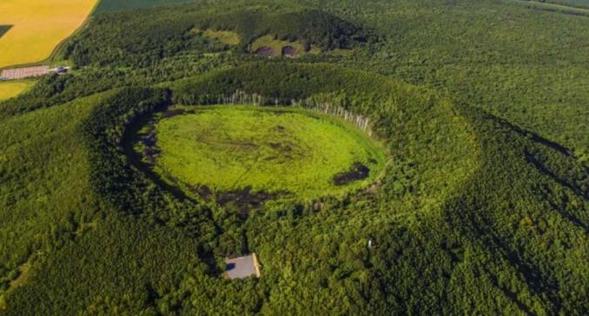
[{"x": 439, "y": 167}]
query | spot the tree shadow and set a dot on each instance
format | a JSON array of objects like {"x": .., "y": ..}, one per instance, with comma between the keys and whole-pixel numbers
[{"x": 4, "y": 29}]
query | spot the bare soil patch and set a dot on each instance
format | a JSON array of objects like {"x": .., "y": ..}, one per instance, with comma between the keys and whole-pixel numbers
[
  {"x": 26, "y": 72},
  {"x": 244, "y": 199}
]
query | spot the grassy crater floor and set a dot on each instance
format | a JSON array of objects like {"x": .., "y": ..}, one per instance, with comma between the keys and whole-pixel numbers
[{"x": 284, "y": 152}]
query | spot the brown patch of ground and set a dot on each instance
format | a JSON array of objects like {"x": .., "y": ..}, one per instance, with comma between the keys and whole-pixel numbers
[
  {"x": 25, "y": 72},
  {"x": 244, "y": 199},
  {"x": 174, "y": 112},
  {"x": 286, "y": 151},
  {"x": 358, "y": 171},
  {"x": 281, "y": 147},
  {"x": 203, "y": 191}
]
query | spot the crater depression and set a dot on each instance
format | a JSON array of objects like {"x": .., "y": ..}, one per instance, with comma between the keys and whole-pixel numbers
[{"x": 273, "y": 152}]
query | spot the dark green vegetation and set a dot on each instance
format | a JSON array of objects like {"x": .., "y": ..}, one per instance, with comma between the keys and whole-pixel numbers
[
  {"x": 533, "y": 78},
  {"x": 4, "y": 29},
  {"x": 483, "y": 210},
  {"x": 314, "y": 27},
  {"x": 278, "y": 152},
  {"x": 158, "y": 34}
]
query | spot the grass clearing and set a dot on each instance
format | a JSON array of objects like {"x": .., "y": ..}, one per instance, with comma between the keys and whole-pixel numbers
[
  {"x": 38, "y": 27},
  {"x": 276, "y": 45},
  {"x": 225, "y": 37},
  {"x": 229, "y": 148},
  {"x": 10, "y": 89}
]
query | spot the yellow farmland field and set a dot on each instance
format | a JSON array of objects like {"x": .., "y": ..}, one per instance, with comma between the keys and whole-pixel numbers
[
  {"x": 38, "y": 26},
  {"x": 9, "y": 89}
]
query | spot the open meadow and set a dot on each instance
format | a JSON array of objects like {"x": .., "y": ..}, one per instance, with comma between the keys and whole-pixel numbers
[
  {"x": 233, "y": 147},
  {"x": 426, "y": 158},
  {"x": 38, "y": 26}
]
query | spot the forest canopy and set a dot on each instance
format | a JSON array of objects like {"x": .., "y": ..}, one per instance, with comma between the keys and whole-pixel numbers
[{"x": 480, "y": 205}]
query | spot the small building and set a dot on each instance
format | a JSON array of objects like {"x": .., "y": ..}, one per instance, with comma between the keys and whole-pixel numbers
[{"x": 242, "y": 267}]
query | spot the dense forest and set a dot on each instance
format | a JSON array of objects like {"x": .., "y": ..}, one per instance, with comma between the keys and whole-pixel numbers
[{"x": 483, "y": 208}]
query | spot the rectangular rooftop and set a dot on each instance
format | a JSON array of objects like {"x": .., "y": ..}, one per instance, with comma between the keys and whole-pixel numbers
[{"x": 242, "y": 267}]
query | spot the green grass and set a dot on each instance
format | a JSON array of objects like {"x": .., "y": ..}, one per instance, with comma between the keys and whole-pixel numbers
[
  {"x": 273, "y": 150},
  {"x": 225, "y": 37}
]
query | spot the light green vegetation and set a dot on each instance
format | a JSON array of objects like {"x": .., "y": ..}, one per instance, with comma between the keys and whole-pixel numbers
[
  {"x": 273, "y": 150},
  {"x": 225, "y": 37}
]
